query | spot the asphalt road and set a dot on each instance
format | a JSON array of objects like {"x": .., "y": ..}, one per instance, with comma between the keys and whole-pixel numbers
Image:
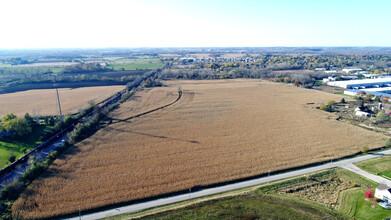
[
  {"x": 370, "y": 176},
  {"x": 347, "y": 163},
  {"x": 18, "y": 172}
]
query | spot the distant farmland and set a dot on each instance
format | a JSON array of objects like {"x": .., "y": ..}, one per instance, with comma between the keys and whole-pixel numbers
[
  {"x": 45, "y": 101},
  {"x": 134, "y": 64},
  {"x": 219, "y": 131}
]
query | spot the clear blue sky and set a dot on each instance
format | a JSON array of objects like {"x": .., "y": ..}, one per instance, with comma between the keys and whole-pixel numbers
[{"x": 197, "y": 23}]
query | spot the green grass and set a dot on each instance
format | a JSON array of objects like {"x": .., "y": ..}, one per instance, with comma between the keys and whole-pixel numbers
[
  {"x": 351, "y": 202},
  {"x": 379, "y": 166},
  {"x": 354, "y": 205},
  {"x": 355, "y": 178},
  {"x": 19, "y": 147},
  {"x": 365, "y": 211},
  {"x": 251, "y": 206},
  {"x": 386, "y": 174},
  {"x": 133, "y": 64},
  {"x": 347, "y": 201},
  {"x": 264, "y": 202}
]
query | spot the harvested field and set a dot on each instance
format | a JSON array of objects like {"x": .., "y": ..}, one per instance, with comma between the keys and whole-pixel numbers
[
  {"x": 199, "y": 55},
  {"x": 218, "y": 131},
  {"x": 44, "y": 101},
  {"x": 235, "y": 55}
]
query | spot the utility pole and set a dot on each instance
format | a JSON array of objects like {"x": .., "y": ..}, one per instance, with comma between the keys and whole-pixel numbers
[
  {"x": 268, "y": 175},
  {"x": 58, "y": 96},
  {"x": 58, "y": 102}
]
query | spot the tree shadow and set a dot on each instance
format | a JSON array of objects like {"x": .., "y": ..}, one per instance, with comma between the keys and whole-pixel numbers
[
  {"x": 154, "y": 136},
  {"x": 378, "y": 154}
]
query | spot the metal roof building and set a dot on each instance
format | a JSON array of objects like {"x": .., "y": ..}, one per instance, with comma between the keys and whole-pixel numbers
[
  {"x": 353, "y": 92},
  {"x": 363, "y": 83}
]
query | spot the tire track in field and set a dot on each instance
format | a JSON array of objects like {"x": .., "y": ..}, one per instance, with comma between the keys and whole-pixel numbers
[{"x": 148, "y": 112}]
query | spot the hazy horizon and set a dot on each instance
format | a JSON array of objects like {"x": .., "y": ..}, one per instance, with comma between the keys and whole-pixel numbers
[{"x": 90, "y": 24}]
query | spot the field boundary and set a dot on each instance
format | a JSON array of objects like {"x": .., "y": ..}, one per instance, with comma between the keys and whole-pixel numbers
[
  {"x": 150, "y": 111},
  {"x": 182, "y": 195},
  {"x": 200, "y": 188}
]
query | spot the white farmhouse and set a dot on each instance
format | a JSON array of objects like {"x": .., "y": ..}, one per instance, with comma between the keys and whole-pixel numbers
[
  {"x": 362, "y": 111},
  {"x": 383, "y": 192},
  {"x": 362, "y": 114}
]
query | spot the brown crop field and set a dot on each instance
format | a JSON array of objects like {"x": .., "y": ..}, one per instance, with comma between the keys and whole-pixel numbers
[
  {"x": 44, "y": 101},
  {"x": 218, "y": 131}
]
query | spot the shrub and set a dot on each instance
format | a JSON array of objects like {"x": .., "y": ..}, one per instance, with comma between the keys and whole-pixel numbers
[
  {"x": 343, "y": 100},
  {"x": 388, "y": 143},
  {"x": 330, "y": 102},
  {"x": 385, "y": 99},
  {"x": 364, "y": 149},
  {"x": 323, "y": 107},
  {"x": 328, "y": 108},
  {"x": 34, "y": 171},
  {"x": 18, "y": 126},
  {"x": 126, "y": 96},
  {"x": 369, "y": 97},
  {"x": 368, "y": 194},
  {"x": 12, "y": 190},
  {"x": 12, "y": 157},
  {"x": 382, "y": 116},
  {"x": 361, "y": 94}
]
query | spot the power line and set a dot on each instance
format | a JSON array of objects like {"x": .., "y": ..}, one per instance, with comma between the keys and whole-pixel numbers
[{"x": 58, "y": 96}]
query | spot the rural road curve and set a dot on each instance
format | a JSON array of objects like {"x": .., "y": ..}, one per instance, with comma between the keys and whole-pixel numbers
[
  {"x": 347, "y": 163},
  {"x": 370, "y": 176}
]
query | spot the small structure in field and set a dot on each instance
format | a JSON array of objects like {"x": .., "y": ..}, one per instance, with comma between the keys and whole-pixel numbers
[
  {"x": 362, "y": 111},
  {"x": 362, "y": 114},
  {"x": 383, "y": 192}
]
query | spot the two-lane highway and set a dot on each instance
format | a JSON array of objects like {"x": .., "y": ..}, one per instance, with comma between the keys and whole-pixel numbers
[{"x": 347, "y": 163}]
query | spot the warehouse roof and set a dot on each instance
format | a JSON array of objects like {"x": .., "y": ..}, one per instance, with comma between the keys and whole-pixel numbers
[
  {"x": 360, "y": 82},
  {"x": 380, "y": 89}
]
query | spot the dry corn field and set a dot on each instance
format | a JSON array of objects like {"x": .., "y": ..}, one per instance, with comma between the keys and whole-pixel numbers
[
  {"x": 44, "y": 101},
  {"x": 218, "y": 131}
]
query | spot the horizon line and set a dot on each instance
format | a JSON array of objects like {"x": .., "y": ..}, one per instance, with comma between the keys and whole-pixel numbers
[{"x": 189, "y": 47}]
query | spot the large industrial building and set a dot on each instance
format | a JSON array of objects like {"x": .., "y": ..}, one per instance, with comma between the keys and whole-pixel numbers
[
  {"x": 384, "y": 92},
  {"x": 362, "y": 84},
  {"x": 377, "y": 87}
]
